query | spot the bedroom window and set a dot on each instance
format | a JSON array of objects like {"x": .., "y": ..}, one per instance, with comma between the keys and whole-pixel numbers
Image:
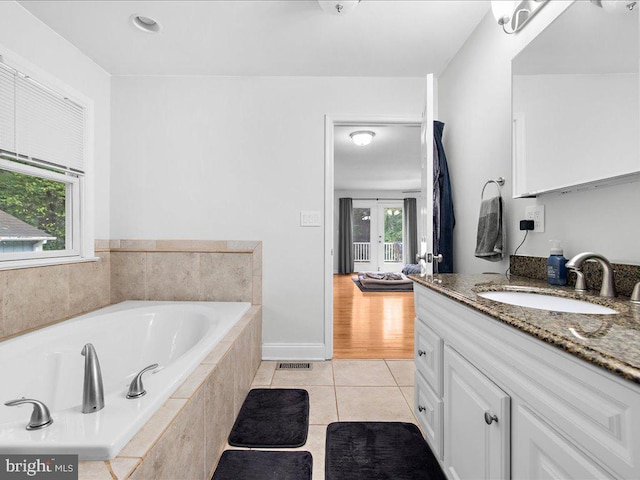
[{"x": 42, "y": 170}]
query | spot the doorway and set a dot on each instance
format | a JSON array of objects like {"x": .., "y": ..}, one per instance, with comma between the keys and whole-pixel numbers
[
  {"x": 378, "y": 235},
  {"x": 374, "y": 325}
]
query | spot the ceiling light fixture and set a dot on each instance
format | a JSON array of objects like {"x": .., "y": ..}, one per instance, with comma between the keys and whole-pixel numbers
[
  {"x": 146, "y": 24},
  {"x": 362, "y": 137},
  {"x": 338, "y": 7},
  {"x": 512, "y": 15}
]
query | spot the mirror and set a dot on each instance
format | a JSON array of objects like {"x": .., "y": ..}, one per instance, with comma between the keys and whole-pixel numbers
[{"x": 576, "y": 102}]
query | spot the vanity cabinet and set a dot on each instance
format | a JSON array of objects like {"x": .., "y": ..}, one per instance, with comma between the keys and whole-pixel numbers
[{"x": 495, "y": 402}]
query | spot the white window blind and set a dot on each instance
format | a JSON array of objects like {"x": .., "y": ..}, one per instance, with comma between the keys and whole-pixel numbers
[
  {"x": 7, "y": 110},
  {"x": 38, "y": 125}
]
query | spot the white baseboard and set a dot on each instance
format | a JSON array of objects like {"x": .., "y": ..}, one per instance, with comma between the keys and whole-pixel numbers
[{"x": 293, "y": 351}]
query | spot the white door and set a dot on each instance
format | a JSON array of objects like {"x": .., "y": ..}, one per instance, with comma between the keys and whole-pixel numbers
[
  {"x": 476, "y": 422},
  {"x": 425, "y": 215},
  {"x": 378, "y": 235}
]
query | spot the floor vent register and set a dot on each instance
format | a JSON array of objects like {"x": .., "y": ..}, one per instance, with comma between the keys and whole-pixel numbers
[{"x": 293, "y": 366}]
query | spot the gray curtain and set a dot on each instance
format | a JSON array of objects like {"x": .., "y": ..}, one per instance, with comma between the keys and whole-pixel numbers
[
  {"x": 411, "y": 226},
  {"x": 345, "y": 237}
]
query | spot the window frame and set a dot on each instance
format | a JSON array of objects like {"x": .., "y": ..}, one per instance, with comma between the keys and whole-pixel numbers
[
  {"x": 73, "y": 232},
  {"x": 80, "y": 185}
]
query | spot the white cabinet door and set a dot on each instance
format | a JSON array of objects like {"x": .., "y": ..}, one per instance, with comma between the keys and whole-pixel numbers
[
  {"x": 540, "y": 453},
  {"x": 477, "y": 417}
]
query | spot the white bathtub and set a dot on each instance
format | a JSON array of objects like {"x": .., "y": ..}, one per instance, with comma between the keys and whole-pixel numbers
[{"x": 46, "y": 365}]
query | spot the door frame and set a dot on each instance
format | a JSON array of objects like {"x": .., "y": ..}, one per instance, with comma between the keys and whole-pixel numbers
[{"x": 330, "y": 122}]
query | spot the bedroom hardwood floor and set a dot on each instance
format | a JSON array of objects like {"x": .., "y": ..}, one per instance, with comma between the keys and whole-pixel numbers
[{"x": 371, "y": 325}]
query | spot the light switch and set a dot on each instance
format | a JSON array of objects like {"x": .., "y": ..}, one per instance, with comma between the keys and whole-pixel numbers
[{"x": 310, "y": 218}]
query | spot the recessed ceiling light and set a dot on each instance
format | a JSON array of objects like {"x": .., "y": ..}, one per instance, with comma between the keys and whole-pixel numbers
[
  {"x": 338, "y": 7},
  {"x": 146, "y": 24},
  {"x": 362, "y": 137}
]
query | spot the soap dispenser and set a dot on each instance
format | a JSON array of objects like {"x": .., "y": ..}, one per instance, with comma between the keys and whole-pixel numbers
[{"x": 556, "y": 270}]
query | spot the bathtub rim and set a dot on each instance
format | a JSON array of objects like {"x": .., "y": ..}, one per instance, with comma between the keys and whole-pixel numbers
[{"x": 113, "y": 449}]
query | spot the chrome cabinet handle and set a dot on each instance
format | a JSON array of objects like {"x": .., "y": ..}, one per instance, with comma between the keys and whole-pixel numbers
[
  {"x": 40, "y": 417},
  {"x": 136, "y": 389},
  {"x": 421, "y": 408},
  {"x": 489, "y": 419},
  {"x": 421, "y": 353}
]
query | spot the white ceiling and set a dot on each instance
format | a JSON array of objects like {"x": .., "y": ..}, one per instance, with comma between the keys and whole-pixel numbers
[
  {"x": 396, "y": 38},
  {"x": 390, "y": 162}
]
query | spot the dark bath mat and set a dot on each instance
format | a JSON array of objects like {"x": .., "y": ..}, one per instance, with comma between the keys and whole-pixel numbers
[
  {"x": 258, "y": 465},
  {"x": 272, "y": 418},
  {"x": 379, "y": 451}
]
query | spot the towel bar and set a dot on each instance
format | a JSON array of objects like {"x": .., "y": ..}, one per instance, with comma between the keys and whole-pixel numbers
[{"x": 499, "y": 182}]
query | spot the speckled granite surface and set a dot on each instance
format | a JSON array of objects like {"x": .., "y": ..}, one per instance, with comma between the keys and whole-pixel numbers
[
  {"x": 625, "y": 276},
  {"x": 608, "y": 341}
]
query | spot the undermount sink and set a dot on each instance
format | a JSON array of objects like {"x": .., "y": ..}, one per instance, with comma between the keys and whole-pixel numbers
[{"x": 547, "y": 302}]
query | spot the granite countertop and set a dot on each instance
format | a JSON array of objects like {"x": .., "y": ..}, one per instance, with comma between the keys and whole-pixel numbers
[{"x": 608, "y": 341}]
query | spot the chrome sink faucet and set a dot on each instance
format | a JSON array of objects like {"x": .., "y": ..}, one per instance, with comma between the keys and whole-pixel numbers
[
  {"x": 607, "y": 289},
  {"x": 92, "y": 391}
]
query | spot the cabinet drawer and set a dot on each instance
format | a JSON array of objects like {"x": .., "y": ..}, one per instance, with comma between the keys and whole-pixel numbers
[
  {"x": 429, "y": 412},
  {"x": 428, "y": 354}
]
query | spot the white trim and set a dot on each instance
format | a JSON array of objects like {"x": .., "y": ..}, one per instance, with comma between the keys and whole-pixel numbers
[
  {"x": 293, "y": 351},
  {"x": 86, "y": 188},
  {"x": 44, "y": 262},
  {"x": 72, "y": 205},
  {"x": 330, "y": 121}
]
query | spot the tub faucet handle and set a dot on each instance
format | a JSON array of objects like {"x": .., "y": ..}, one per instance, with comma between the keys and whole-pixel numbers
[
  {"x": 40, "y": 417},
  {"x": 136, "y": 389}
]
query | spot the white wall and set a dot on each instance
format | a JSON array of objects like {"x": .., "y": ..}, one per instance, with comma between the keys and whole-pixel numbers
[
  {"x": 239, "y": 158},
  {"x": 23, "y": 35},
  {"x": 475, "y": 103}
]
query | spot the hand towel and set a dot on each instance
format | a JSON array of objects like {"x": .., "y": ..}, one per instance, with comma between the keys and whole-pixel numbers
[{"x": 490, "y": 240}]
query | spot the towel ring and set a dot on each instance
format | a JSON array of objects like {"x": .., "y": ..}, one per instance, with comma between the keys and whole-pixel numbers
[{"x": 499, "y": 182}]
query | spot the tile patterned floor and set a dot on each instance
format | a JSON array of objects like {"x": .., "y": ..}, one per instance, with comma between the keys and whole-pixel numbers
[{"x": 346, "y": 390}]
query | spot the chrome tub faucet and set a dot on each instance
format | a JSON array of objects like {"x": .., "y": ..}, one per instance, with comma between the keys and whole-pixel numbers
[
  {"x": 92, "y": 390},
  {"x": 607, "y": 289}
]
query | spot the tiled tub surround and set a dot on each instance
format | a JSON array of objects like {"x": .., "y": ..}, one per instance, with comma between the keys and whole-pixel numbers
[
  {"x": 196, "y": 270},
  {"x": 625, "y": 276},
  {"x": 185, "y": 438},
  {"x": 32, "y": 298},
  {"x": 199, "y": 270},
  {"x": 177, "y": 442},
  {"x": 608, "y": 341}
]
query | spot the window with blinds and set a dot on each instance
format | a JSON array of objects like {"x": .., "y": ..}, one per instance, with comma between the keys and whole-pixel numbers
[{"x": 42, "y": 165}]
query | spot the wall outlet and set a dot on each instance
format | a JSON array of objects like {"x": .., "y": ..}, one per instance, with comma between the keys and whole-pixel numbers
[{"x": 535, "y": 213}]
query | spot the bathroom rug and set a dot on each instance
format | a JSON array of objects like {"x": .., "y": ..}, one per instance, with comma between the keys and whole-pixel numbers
[
  {"x": 272, "y": 418},
  {"x": 378, "y": 450},
  {"x": 260, "y": 465}
]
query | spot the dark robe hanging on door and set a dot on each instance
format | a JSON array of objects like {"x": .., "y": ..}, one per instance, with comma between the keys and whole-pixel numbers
[{"x": 443, "y": 218}]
